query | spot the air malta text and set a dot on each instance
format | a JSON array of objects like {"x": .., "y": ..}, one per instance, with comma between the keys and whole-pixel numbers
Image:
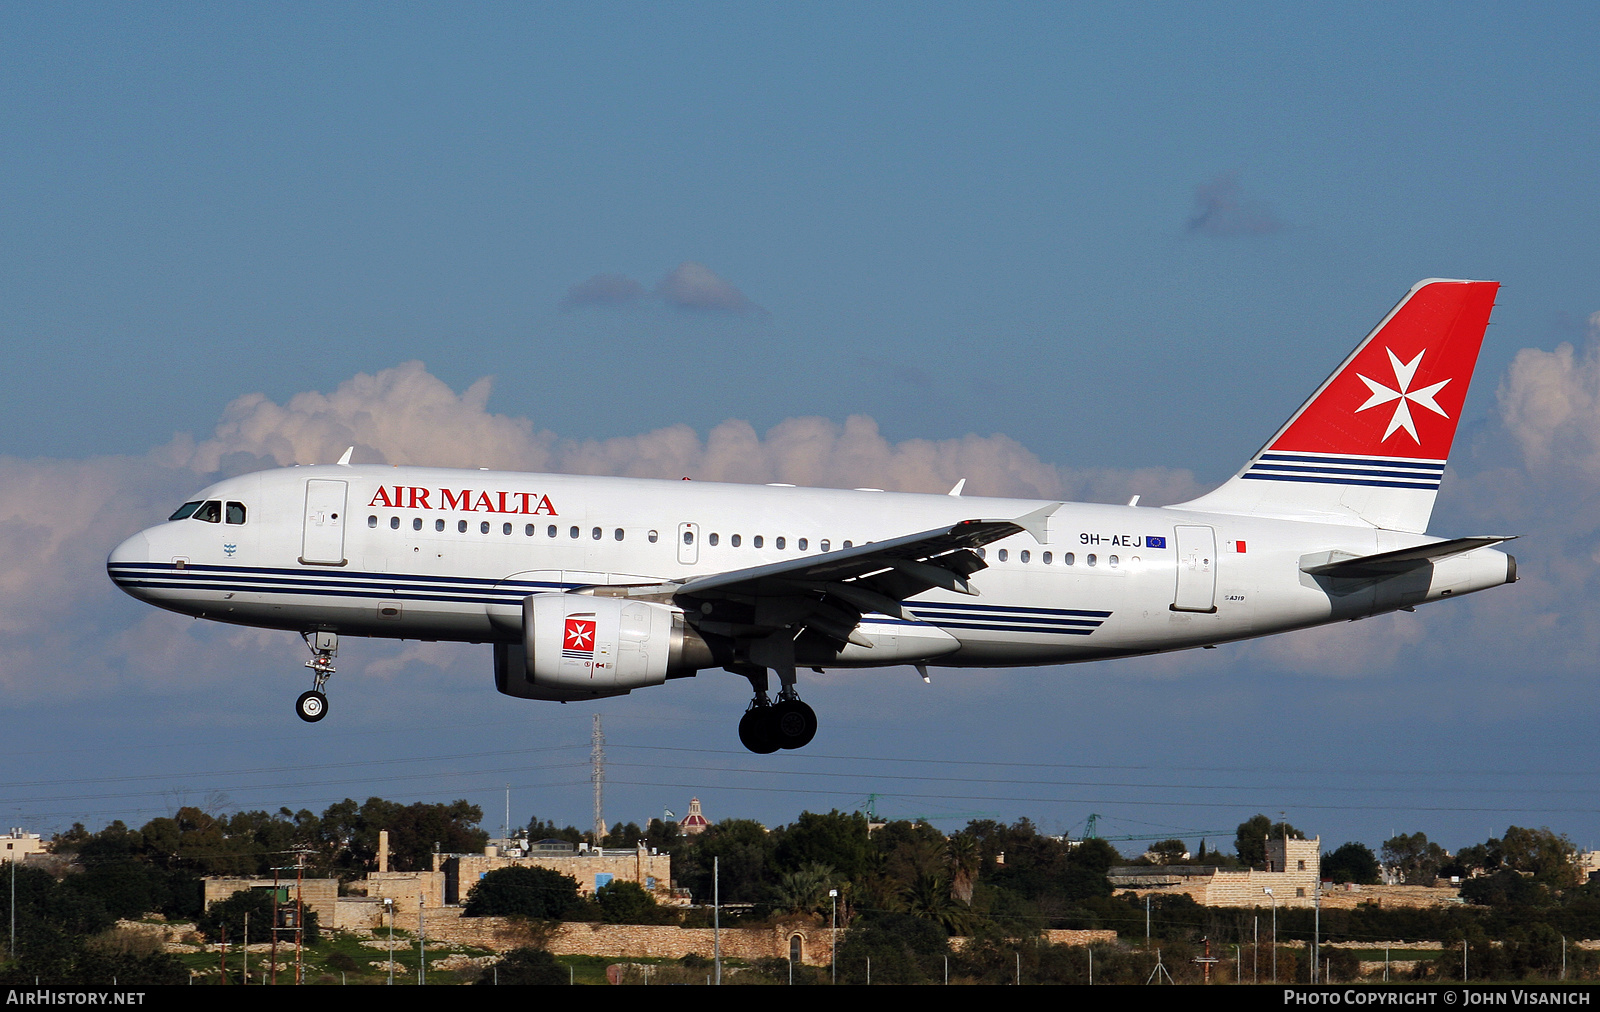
[{"x": 465, "y": 500}]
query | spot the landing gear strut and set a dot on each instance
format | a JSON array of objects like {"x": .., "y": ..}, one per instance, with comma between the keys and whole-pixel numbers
[
  {"x": 766, "y": 726},
  {"x": 313, "y": 706}
]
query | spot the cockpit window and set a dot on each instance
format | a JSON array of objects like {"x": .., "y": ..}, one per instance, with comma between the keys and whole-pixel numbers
[
  {"x": 210, "y": 511},
  {"x": 235, "y": 513},
  {"x": 186, "y": 510}
]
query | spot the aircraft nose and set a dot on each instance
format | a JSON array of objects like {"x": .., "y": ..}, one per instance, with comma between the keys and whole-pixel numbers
[{"x": 125, "y": 560}]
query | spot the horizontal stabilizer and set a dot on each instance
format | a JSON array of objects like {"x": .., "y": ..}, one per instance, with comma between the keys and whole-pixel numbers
[{"x": 1369, "y": 567}]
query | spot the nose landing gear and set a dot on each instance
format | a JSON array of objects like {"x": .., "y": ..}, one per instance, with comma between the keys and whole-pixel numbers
[{"x": 313, "y": 706}]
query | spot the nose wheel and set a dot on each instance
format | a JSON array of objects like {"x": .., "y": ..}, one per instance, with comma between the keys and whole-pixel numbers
[{"x": 313, "y": 706}]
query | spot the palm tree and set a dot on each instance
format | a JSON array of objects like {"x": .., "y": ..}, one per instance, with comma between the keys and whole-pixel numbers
[
  {"x": 964, "y": 859},
  {"x": 806, "y": 890}
]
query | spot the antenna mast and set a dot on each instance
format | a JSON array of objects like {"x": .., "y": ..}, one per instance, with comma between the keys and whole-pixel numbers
[{"x": 598, "y": 756}]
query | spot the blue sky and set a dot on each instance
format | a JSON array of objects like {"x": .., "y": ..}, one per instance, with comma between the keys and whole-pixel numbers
[{"x": 1114, "y": 246}]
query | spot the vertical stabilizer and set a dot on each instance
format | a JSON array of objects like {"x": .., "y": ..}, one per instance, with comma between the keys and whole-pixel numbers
[{"x": 1370, "y": 446}]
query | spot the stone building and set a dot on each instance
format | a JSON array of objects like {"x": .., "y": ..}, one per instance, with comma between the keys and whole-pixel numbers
[
  {"x": 695, "y": 822},
  {"x": 1293, "y": 870},
  {"x": 17, "y": 846}
]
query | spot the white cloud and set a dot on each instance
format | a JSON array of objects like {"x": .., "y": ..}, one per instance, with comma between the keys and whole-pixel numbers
[
  {"x": 696, "y": 286},
  {"x": 1550, "y": 403}
]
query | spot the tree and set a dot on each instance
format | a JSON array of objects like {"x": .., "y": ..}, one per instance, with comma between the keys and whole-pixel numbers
[
  {"x": 628, "y": 903},
  {"x": 1549, "y": 858},
  {"x": 230, "y": 914},
  {"x": 622, "y": 836},
  {"x": 526, "y": 966},
  {"x": 804, "y": 891},
  {"x": 1414, "y": 858},
  {"x": 745, "y": 849},
  {"x": 1168, "y": 852},
  {"x": 964, "y": 860},
  {"x": 835, "y": 839},
  {"x": 538, "y": 829},
  {"x": 1352, "y": 862},
  {"x": 538, "y": 893}
]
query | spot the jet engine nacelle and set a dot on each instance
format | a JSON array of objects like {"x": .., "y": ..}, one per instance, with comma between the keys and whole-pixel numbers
[{"x": 576, "y": 646}]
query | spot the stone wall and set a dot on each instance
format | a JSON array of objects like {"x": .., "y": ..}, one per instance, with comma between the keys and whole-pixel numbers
[{"x": 664, "y": 941}]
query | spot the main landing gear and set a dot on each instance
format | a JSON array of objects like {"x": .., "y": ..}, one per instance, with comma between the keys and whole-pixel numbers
[
  {"x": 313, "y": 706},
  {"x": 766, "y": 726}
]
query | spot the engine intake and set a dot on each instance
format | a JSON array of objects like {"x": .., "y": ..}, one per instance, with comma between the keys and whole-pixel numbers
[{"x": 582, "y": 647}]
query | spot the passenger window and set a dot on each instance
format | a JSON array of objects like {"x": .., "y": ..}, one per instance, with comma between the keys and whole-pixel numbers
[
  {"x": 983, "y": 553},
  {"x": 483, "y": 527},
  {"x": 528, "y": 530},
  {"x": 1112, "y": 559},
  {"x": 824, "y": 545},
  {"x": 1069, "y": 559},
  {"x": 236, "y": 513},
  {"x": 688, "y": 537},
  {"x": 394, "y": 523},
  {"x": 505, "y": 529},
  {"x": 1003, "y": 554},
  {"x": 757, "y": 541},
  {"x": 552, "y": 531},
  {"x": 778, "y": 544},
  {"x": 711, "y": 539},
  {"x": 186, "y": 510},
  {"x": 652, "y": 536},
  {"x": 1090, "y": 560},
  {"x": 734, "y": 541},
  {"x": 210, "y": 512},
  {"x": 1046, "y": 558},
  {"x": 849, "y": 544},
  {"x": 372, "y": 521},
  {"x": 802, "y": 544},
  {"x": 595, "y": 534},
  {"x": 461, "y": 527},
  {"x": 416, "y": 523},
  {"x": 573, "y": 533},
  {"x": 1023, "y": 555},
  {"x": 617, "y": 534},
  {"x": 438, "y": 525}
]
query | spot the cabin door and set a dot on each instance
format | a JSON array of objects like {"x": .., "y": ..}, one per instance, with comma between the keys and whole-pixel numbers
[{"x": 322, "y": 543}]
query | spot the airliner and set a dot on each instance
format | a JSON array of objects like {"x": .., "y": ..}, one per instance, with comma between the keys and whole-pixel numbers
[{"x": 590, "y": 587}]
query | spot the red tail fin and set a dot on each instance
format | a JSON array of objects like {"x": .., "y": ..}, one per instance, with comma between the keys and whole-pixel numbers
[{"x": 1370, "y": 445}]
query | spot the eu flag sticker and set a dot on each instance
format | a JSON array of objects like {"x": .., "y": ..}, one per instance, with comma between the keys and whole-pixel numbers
[{"x": 1151, "y": 541}]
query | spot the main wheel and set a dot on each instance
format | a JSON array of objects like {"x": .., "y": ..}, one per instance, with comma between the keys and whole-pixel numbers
[
  {"x": 758, "y": 730},
  {"x": 311, "y": 706},
  {"x": 795, "y": 723}
]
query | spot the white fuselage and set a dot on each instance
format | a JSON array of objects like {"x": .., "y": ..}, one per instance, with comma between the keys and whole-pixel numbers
[{"x": 436, "y": 554}]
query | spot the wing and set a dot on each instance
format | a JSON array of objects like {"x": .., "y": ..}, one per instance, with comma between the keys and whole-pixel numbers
[{"x": 827, "y": 594}]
